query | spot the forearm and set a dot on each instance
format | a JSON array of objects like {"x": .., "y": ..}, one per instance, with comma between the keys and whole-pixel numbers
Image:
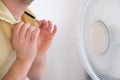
[
  {"x": 38, "y": 69},
  {"x": 18, "y": 71}
]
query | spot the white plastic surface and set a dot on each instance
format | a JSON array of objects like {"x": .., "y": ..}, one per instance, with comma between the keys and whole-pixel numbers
[{"x": 101, "y": 51}]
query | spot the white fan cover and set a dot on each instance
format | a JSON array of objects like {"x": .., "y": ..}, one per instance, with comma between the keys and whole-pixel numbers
[{"x": 100, "y": 38}]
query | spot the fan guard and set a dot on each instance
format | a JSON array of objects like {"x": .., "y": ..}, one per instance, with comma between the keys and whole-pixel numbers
[{"x": 100, "y": 38}]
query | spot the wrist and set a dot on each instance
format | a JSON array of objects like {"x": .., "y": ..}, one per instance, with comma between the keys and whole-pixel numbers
[
  {"x": 23, "y": 62},
  {"x": 40, "y": 58},
  {"x": 24, "y": 59},
  {"x": 23, "y": 66}
]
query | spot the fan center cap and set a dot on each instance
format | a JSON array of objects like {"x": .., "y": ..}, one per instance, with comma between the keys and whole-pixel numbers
[{"x": 98, "y": 37}]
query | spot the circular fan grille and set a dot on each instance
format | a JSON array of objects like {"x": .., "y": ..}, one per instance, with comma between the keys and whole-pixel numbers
[{"x": 100, "y": 39}]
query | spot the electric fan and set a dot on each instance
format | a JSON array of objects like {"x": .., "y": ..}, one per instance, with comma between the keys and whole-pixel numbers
[{"x": 100, "y": 38}]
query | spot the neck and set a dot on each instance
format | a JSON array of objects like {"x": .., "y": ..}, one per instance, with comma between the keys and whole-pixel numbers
[{"x": 17, "y": 9}]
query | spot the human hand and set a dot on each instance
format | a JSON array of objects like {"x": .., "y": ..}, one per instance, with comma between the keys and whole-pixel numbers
[
  {"x": 25, "y": 41},
  {"x": 47, "y": 33},
  {"x": 45, "y": 38}
]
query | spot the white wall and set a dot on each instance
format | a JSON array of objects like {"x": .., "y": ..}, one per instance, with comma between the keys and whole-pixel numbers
[{"x": 63, "y": 60}]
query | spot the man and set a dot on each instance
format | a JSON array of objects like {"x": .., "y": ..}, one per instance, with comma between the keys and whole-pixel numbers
[{"x": 24, "y": 41}]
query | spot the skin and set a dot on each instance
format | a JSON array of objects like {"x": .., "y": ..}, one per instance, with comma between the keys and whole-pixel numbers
[
  {"x": 44, "y": 41},
  {"x": 30, "y": 44}
]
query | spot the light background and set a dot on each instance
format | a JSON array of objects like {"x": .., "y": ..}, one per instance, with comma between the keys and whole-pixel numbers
[{"x": 63, "y": 58}]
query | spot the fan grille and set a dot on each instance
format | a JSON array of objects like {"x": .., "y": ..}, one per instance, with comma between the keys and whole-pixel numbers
[{"x": 106, "y": 65}]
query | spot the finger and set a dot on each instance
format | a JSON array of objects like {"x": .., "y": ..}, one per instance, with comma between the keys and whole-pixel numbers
[
  {"x": 44, "y": 24},
  {"x": 24, "y": 29},
  {"x": 41, "y": 23},
  {"x": 35, "y": 35},
  {"x": 29, "y": 33},
  {"x": 54, "y": 31},
  {"x": 17, "y": 28},
  {"x": 49, "y": 26}
]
